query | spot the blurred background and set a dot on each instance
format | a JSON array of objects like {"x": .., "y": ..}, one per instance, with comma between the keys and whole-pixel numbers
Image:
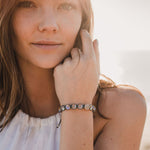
[{"x": 123, "y": 30}]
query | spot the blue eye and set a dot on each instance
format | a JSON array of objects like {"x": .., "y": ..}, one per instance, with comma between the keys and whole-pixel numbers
[
  {"x": 26, "y": 4},
  {"x": 67, "y": 6}
]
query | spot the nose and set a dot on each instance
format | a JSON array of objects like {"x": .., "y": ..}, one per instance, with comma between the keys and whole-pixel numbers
[{"x": 48, "y": 22}]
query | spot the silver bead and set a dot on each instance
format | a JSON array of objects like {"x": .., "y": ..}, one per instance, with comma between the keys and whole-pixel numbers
[
  {"x": 74, "y": 106},
  {"x": 80, "y": 106},
  {"x": 62, "y": 107},
  {"x": 67, "y": 106},
  {"x": 94, "y": 108},
  {"x": 90, "y": 107},
  {"x": 87, "y": 106}
]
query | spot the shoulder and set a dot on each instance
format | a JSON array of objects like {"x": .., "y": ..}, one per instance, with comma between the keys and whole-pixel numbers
[
  {"x": 122, "y": 101},
  {"x": 126, "y": 107}
]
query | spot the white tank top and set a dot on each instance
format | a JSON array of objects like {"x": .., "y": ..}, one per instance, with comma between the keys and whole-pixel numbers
[{"x": 30, "y": 133}]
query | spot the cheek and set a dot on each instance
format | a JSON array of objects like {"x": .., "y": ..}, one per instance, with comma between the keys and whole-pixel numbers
[
  {"x": 71, "y": 28},
  {"x": 72, "y": 22},
  {"x": 22, "y": 25},
  {"x": 22, "y": 30}
]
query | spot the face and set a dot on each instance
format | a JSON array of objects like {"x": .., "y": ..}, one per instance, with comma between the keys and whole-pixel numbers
[{"x": 45, "y": 30}]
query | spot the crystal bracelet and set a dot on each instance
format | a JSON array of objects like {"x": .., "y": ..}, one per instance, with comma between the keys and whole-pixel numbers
[{"x": 75, "y": 106}]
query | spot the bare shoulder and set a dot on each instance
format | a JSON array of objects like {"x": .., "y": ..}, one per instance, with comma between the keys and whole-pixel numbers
[
  {"x": 126, "y": 108},
  {"x": 123, "y": 100}
]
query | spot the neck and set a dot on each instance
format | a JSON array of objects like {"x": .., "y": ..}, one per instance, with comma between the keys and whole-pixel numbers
[{"x": 40, "y": 89}]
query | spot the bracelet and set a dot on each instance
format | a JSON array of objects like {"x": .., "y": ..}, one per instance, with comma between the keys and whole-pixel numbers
[{"x": 77, "y": 106}]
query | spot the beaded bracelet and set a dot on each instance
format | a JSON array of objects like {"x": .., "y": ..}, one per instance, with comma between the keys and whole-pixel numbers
[{"x": 77, "y": 106}]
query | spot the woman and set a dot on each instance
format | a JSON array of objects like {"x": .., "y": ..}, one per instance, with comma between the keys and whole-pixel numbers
[{"x": 47, "y": 60}]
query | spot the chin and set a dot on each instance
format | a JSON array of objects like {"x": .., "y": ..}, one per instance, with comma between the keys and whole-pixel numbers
[{"x": 48, "y": 64}]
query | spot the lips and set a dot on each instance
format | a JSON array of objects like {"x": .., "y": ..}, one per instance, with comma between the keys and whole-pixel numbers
[{"x": 47, "y": 45}]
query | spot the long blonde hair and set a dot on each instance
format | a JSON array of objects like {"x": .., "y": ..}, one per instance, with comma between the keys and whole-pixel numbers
[{"x": 12, "y": 89}]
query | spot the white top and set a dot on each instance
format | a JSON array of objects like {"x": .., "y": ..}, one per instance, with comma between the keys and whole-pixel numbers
[{"x": 30, "y": 133}]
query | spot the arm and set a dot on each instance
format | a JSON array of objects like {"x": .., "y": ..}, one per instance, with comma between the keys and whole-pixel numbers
[
  {"x": 127, "y": 110},
  {"x": 76, "y": 130},
  {"x": 76, "y": 81}
]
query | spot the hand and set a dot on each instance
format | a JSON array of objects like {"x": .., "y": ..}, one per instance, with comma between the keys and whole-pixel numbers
[{"x": 76, "y": 80}]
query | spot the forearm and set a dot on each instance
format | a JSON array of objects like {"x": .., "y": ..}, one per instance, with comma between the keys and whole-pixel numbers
[{"x": 76, "y": 130}]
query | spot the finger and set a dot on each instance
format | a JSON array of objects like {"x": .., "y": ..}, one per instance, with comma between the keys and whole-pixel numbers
[
  {"x": 96, "y": 50},
  {"x": 57, "y": 69},
  {"x": 87, "y": 45},
  {"x": 68, "y": 59},
  {"x": 74, "y": 53},
  {"x": 80, "y": 52}
]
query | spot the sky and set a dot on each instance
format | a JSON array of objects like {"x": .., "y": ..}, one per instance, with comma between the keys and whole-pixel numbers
[
  {"x": 122, "y": 24},
  {"x": 123, "y": 30}
]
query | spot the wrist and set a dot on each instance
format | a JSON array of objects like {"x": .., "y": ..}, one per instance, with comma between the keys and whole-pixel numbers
[
  {"x": 77, "y": 106},
  {"x": 76, "y": 101}
]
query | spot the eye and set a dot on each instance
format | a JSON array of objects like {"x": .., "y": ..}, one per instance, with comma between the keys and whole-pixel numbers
[
  {"x": 67, "y": 6},
  {"x": 26, "y": 4}
]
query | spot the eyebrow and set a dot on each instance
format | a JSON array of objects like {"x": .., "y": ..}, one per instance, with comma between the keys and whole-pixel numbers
[
  {"x": 75, "y": 2},
  {"x": 71, "y": 1}
]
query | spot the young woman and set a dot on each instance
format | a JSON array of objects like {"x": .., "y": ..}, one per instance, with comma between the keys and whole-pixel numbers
[{"x": 48, "y": 59}]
